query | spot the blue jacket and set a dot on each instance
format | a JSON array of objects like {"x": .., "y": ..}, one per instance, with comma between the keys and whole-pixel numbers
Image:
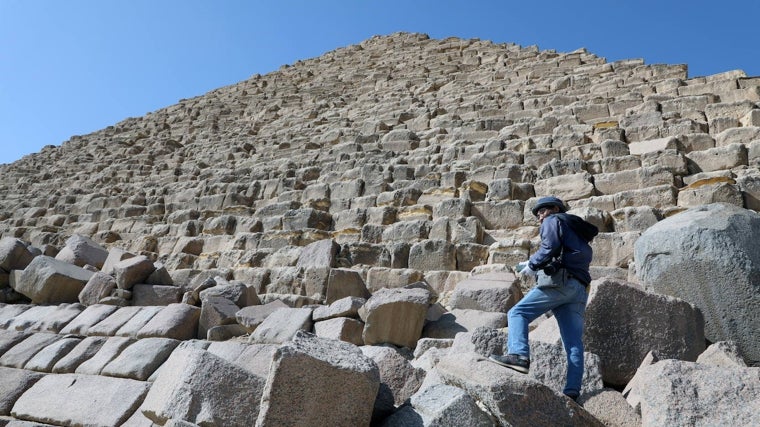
[{"x": 565, "y": 242}]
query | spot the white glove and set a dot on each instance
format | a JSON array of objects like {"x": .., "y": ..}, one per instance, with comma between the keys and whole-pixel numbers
[{"x": 524, "y": 269}]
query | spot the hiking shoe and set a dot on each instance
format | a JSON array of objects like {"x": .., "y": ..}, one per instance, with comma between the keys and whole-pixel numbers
[{"x": 512, "y": 361}]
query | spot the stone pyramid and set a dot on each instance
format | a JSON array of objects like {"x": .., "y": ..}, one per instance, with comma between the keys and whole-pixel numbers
[{"x": 324, "y": 220}]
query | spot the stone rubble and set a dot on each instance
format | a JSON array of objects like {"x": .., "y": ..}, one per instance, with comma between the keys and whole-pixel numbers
[{"x": 331, "y": 243}]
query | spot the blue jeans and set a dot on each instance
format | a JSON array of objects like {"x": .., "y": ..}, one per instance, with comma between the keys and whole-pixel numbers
[{"x": 568, "y": 303}]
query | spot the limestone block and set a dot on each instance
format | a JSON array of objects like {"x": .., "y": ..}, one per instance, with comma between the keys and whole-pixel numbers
[
  {"x": 342, "y": 283},
  {"x": 216, "y": 311},
  {"x": 47, "y": 357},
  {"x": 400, "y": 140},
  {"x": 719, "y": 158},
  {"x": 704, "y": 193},
  {"x": 566, "y": 187},
  {"x": 621, "y": 334},
  {"x": 394, "y": 316},
  {"x": 722, "y": 353},
  {"x": 611, "y": 183},
  {"x": 178, "y": 321},
  {"x": 340, "y": 328},
  {"x": 97, "y": 287},
  {"x": 201, "y": 388},
  {"x": 653, "y": 145},
  {"x": 310, "y": 366},
  {"x": 407, "y": 231},
  {"x": 132, "y": 271},
  {"x": 140, "y": 359},
  {"x": 614, "y": 249},
  {"x": 47, "y": 280},
  {"x": 617, "y": 164},
  {"x": 635, "y": 219},
  {"x": 81, "y": 250},
  {"x": 114, "y": 321},
  {"x": 612, "y": 148},
  {"x": 147, "y": 295},
  {"x": 105, "y": 353},
  {"x": 8, "y": 339},
  {"x": 219, "y": 225},
  {"x": 131, "y": 327},
  {"x": 708, "y": 256},
  {"x": 347, "y": 189},
  {"x": 50, "y": 318},
  {"x": 281, "y": 325},
  {"x": 510, "y": 396},
  {"x": 381, "y": 215},
  {"x": 660, "y": 196},
  {"x": 22, "y": 351},
  {"x": 696, "y": 142},
  {"x": 14, "y": 254},
  {"x": 738, "y": 135},
  {"x": 440, "y": 405},
  {"x": 463, "y": 320},
  {"x": 237, "y": 292},
  {"x": 471, "y": 255},
  {"x": 369, "y": 254},
  {"x": 344, "y": 307},
  {"x": 611, "y": 408},
  {"x": 497, "y": 215},
  {"x": 383, "y": 277},
  {"x": 350, "y": 219},
  {"x": 15, "y": 383},
  {"x": 482, "y": 340},
  {"x": 750, "y": 188},
  {"x": 496, "y": 292},
  {"x": 433, "y": 255},
  {"x": 751, "y": 119},
  {"x": 115, "y": 401},
  {"x": 84, "y": 350},
  {"x": 299, "y": 219},
  {"x": 433, "y": 196},
  {"x": 675, "y": 392},
  {"x": 319, "y": 254},
  {"x": 396, "y": 373}
]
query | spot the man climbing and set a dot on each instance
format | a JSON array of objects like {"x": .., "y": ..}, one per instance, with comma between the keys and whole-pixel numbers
[{"x": 561, "y": 269}]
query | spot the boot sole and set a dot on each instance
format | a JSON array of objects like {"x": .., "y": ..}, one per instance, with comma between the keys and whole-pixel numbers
[{"x": 520, "y": 369}]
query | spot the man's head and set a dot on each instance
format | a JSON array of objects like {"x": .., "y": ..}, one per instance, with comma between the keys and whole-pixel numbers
[{"x": 547, "y": 206}]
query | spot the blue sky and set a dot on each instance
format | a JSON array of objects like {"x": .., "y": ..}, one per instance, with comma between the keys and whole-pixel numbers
[{"x": 76, "y": 66}]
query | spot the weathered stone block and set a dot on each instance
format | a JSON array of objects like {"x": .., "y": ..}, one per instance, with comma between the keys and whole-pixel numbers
[
  {"x": 81, "y": 250},
  {"x": 310, "y": 366},
  {"x": 621, "y": 334},
  {"x": 47, "y": 280},
  {"x": 201, "y": 388},
  {"x": 394, "y": 316},
  {"x": 113, "y": 403},
  {"x": 708, "y": 256}
]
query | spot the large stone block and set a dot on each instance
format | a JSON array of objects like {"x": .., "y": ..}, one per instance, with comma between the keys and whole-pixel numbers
[
  {"x": 178, "y": 321},
  {"x": 396, "y": 372},
  {"x": 394, "y": 316},
  {"x": 81, "y": 250},
  {"x": 132, "y": 271},
  {"x": 511, "y": 397},
  {"x": 87, "y": 400},
  {"x": 433, "y": 255},
  {"x": 622, "y": 334},
  {"x": 15, "y": 382},
  {"x": 708, "y": 256},
  {"x": 310, "y": 366},
  {"x": 281, "y": 325},
  {"x": 680, "y": 393},
  {"x": 496, "y": 292},
  {"x": 14, "y": 254},
  {"x": 203, "y": 389},
  {"x": 567, "y": 187},
  {"x": 140, "y": 359},
  {"x": 47, "y": 280}
]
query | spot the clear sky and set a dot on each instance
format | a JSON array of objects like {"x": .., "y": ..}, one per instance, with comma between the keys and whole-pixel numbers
[{"x": 71, "y": 67}]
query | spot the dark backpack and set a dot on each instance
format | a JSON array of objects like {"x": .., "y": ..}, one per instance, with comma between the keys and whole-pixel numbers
[{"x": 583, "y": 228}]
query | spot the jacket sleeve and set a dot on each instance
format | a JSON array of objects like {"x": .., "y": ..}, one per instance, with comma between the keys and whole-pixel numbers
[{"x": 551, "y": 244}]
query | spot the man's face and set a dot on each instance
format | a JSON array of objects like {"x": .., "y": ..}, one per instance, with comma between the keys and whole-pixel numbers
[{"x": 544, "y": 212}]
